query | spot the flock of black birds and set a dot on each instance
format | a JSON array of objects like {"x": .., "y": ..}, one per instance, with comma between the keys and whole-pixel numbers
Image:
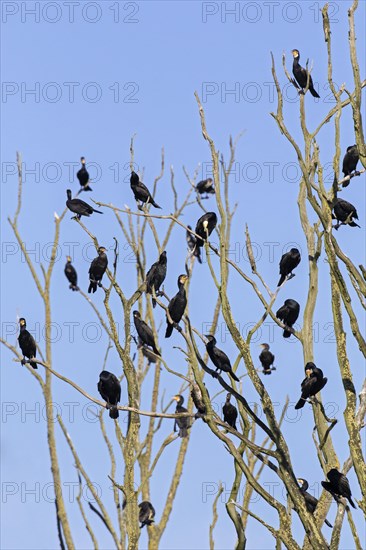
[{"x": 109, "y": 386}]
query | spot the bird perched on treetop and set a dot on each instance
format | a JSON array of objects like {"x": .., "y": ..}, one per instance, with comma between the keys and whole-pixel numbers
[
  {"x": 205, "y": 225},
  {"x": 301, "y": 74},
  {"x": 140, "y": 190},
  {"x": 110, "y": 389},
  {"x": 288, "y": 314},
  {"x": 312, "y": 384},
  {"x": 156, "y": 275},
  {"x": 83, "y": 176},
  {"x": 230, "y": 412},
  {"x": 219, "y": 358},
  {"x": 145, "y": 333},
  {"x": 338, "y": 486},
  {"x": 288, "y": 262},
  {"x": 79, "y": 207},
  {"x": 177, "y": 305},
  {"x": 205, "y": 186},
  {"x": 267, "y": 359},
  {"x": 146, "y": 513},
  {"x": 344, "y": 212},
  {"x": 192, "y": 245},
  {"x": 350, "y": 161},
  {"x": 183, "y": 423},
  {"x": 71, "y": 274},
  {"x": 27, "y": 344},
  {"x": 97, "y": 269},
  {"x": 310, "y": 501}
]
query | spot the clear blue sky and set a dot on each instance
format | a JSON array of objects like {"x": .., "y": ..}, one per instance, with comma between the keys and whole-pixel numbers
[{"x": 134, "y": 70}]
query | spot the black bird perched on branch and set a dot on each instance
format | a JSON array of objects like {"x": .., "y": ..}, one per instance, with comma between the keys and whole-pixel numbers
[
  {"x": 288, "y": 262},
  {"x": 218, "y": 357},
  {"x": 140, "y": 191},
  {"x": 71, "y": 274},
  {"x": 205, "y": 186},
  {"x": 110, "y": 389},
  {"x": 288, "y": 314},
  {"x": 183, "y": 423},
  {"x": 27, "y": 344},
  {"x": 230, "y": 412},
  {"x": 301, "y": 74},
  {"x": 145, "y": 332},
  {"x": 83, "y": 176},
  {"x": 344, "y": 212},
  {"x": 310, "y": 501},
  {"x": 146, "y": 513},
  {"x": 192, "y": 245},
  {"x": 338, "y": 486},
  {"x": 177, "y": 306},
  {"x": 156, "y": 276},
  {"x": 267, "y": 359},
  {"x": 79, "y": 207},
  {"x": 205, "y": 225},
  {"x": 197, "y": 399},
  {"x": 312, "y": 384},
  {"x": 350, "y": 161},
  {"x": 97, "y": 269}
]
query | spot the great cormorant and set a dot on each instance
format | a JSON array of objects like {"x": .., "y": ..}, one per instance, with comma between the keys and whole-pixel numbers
[
  {"x": 83, "y": 176},
  {"x": 310, "y": 501},
  {"x": 205, "y": 186},
  {"x": 288, "y": 262},
  {"x": 79, "y": 207},
  {"x": 312, "y": 384},
  {"x": 71, "y": 274},
  {"x": 344, "y": 212},
  {"x": 177, "y": 305},
  {"x": 192, "y": 245},
  {"x": 205, "y": 225},
  {"x": 301, "y": 74},
  {"x": 156, "y": 275},
  {"x": 230, "y": 412},
  {"x": 219, "y": 358},
  {"x": 288, "y": 314},
  {"x": 97, "y": 269},
  {"x": 140, "y": 191},
  {"x": 145, "y": 333},
  {"x": 267, "y": 359},
  {"x": 338, "y": 486},
  {"x": 146, "y": 513},
  {"x": 350, "y": 161},
  {"x": 183, "y": 423},
  {"x": 27, "y": 344}
]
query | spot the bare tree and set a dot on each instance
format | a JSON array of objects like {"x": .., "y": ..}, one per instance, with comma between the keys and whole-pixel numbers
[{"x": 251, "y": 450}]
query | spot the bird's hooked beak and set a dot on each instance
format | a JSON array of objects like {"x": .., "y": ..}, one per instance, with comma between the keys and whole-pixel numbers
[
  {"x": 68, "y": 258},
  {"x": 308, "y": 372},
  {"x": 22, "y": 322},
  {"x": 176, "y": 397},
  {"x": 295, "y": 53}
]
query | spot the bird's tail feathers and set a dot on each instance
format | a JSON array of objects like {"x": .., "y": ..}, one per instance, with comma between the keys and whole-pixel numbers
[
  {"x": 113, "y": 412},
  {"x": 282, "y": 280},
  {"x": 301, "y": 402},
  {"x": 33, "y": 364},
  {"x": 233, "y": 375},
  {"x": 92, "y": 287},
  {"x": 169, "y": 330}
]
